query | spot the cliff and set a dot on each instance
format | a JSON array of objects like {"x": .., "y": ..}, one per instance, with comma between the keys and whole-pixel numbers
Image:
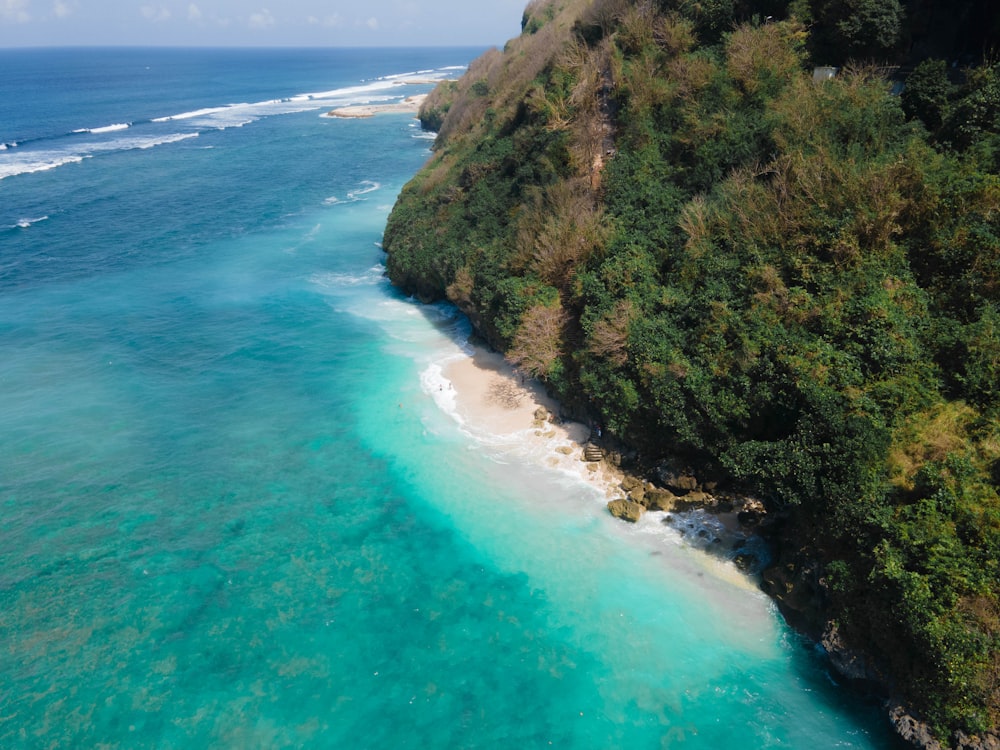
[{"x": 789, "y": 281}]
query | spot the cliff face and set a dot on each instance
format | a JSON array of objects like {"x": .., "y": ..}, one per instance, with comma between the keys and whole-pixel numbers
[{"x": 791, "y": 284}]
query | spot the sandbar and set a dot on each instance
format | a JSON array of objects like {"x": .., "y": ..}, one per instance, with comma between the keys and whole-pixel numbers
[{"x": 410, "y": 104}]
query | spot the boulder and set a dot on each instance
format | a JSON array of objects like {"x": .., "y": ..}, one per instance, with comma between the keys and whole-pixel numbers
[
  {"x": 629, "y": 483},
  {"x": 637, "y": 495},
  {"x": 626, "y": 510},
  {"x": 657, "y": 499}
]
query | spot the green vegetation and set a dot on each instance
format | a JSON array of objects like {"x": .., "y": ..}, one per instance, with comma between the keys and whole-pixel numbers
[{"x": 794, "y": 285}]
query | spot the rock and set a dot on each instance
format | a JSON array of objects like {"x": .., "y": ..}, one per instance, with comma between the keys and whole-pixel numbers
[
  {"x": 702, "y": 499},
  {"x": 637, "y": 495},
  {"x": 794, "y": 582},
  {"x": 962, "y": 741},
  {"x": 629, "y": 483},
  {"x": 626, "y": 510},
  {"x": 565, "y": 450},
  {"x": 542, "y": 414},
  {"x": 673, "y": 479},
  {"x": 912, "y": 729},
  {"x": 846, "y": 661},
  {"x": 751, "y": 511},
  {"x": 656, "y": 499}
]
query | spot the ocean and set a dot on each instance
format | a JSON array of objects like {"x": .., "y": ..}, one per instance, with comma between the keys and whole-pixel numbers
[{"x": 232, "y": 513}]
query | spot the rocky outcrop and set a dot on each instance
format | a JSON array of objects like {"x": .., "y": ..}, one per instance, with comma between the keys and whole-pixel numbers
[
  {"x": 795, "y": 584},
  {"x": 962, "y": 741},
  {"x": 912, "y": 729},
  {"x": 846, "y": 661}
]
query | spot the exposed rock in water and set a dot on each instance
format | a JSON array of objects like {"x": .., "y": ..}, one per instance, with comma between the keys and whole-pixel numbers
[
  {"x": 630, "y": 483},
  {"x": 656, "y": 499},
  {"x": 627, "y": 510}
]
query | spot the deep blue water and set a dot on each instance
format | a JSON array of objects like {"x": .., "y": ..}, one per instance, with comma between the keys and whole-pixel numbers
[{"x": 231, "y": 515}]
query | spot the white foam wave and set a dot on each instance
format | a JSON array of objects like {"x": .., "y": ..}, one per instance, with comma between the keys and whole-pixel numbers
[
  {"x": 106, "y": 128},
  {"x": 195, "y": 113},
  {"x": 370, "y": 187},
  {"x": 371, "y": 277},
  {"x": 28, "y": 162},
  {"x": 37, "y": 163},
  {"x": 351, "y": 94},
  {"x": 353, "y": 196},
  {"x": 25, "y": 223},
  {"x": 434, "y": 383},
  {"x": 243, "y": 113},
  {"x": 140, "y": 142}
]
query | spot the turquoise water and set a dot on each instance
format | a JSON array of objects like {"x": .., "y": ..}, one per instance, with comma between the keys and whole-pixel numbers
[{"x": 233, "y": 516}]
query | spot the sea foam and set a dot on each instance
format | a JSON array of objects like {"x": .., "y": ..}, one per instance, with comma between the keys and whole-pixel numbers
[
  {"x": 40, "y": 163},
  {"x": 106, "y": 128},
  {"x": 25, "y": 223},
  {"x": 28, "y": 162}
]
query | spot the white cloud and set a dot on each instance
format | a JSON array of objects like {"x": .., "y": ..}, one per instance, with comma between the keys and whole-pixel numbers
[
  {"x": 372, "y": 23},
  {"x": 155, "y": 13},
  {"x": 262, "y": 19},
  {"x": 15, "y": 10},
  {"x": 194, "y": 12},
  {"x": 61, "y": 9},
  {"x": 332, "y": 21}
]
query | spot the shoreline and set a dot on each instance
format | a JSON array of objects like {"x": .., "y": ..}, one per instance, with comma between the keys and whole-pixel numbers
[
  {"x": 491, "y": 399},
  {"x": 495, "y": 403}
]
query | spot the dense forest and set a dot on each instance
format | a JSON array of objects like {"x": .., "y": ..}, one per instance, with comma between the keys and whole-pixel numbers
[{"x": 761, "y": 237}]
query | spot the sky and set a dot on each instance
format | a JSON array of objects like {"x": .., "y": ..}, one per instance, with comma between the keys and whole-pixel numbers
[{"x": 259, "y": 23}]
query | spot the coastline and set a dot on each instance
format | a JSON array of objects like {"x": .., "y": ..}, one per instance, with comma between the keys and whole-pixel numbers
[{"x": 492, "y": 401}]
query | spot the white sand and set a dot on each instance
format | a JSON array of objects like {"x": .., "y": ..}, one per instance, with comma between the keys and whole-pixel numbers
[
  {"x": 410, "y": 104},
  {"x": 492, "y": 399}
]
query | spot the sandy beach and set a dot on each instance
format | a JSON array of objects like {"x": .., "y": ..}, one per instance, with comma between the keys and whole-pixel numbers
[
  {"x": 493, "y": 401},
  {"x": 410, "y": 104},
  {"x": 491, "y": 398}
]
